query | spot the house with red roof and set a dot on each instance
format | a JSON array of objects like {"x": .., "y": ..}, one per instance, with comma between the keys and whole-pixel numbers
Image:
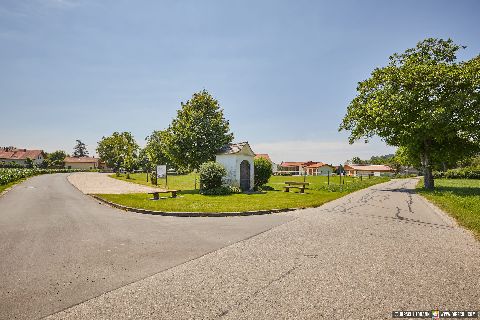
[
  {"x": 357, "y": 170},
  {"x": 319, "y": 169},
  {"x": 20, "y": 156}
]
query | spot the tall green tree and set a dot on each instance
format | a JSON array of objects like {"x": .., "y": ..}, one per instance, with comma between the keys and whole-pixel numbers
[
  {"x": 424, "y": 101},
  {"x": 56, "y": 159},
  {"x": 118, "y": 150},
  {"x": 80, "y": 149},
  {"x": 155, "y": 149},
  {"x": 197, "y": 133}
]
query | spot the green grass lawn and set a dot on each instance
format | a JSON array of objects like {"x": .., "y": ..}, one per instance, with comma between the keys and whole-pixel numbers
[
  {"x": 190, "y": 200},
  {"x": 460, "y": 198}
]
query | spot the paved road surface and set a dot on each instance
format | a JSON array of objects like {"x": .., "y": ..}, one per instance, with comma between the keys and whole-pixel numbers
[
  {"x": 59, "y": 247},
  {"x": 359, "y": 257}
]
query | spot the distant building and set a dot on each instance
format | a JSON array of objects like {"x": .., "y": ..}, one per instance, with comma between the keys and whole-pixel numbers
[
  {"x": 237, "y": 158},
  {"x": 267, "y": 157},
  {"x": 312, "y": 168},
  {"x": 378, "y": 170},
  {"x": 319, "y": 169},
  {"x": 85, "y": 163},
  {"x": 20, "y": 156}
]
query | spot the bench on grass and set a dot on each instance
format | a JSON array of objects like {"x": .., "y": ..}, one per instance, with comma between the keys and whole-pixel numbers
[
  {"x": 301, "y": 186},
  {"x": 156, "y": 194}
]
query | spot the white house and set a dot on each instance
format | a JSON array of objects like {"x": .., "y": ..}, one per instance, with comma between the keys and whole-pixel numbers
[
  {"x": 237, "y": 158},
  {"x": 20, "y": 156}
]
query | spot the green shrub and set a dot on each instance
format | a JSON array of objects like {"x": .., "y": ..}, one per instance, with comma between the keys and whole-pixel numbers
[
  {"x": 459, "y": 173},
  {"x": 220, "y": 191},
  {"x": 263, "y": 171},
  {"x": 8, "y": 175},
  {"x": 211, "y": 174}
]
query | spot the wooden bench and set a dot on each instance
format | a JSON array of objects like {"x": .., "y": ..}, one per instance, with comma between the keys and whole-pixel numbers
[
  {"x": 301, "y": 186},
  {"x": 156, "y": 194}
]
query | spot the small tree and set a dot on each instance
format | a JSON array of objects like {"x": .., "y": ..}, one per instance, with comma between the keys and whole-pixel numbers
[
  {"x": 423, "y": 101},
  {"x": 211, "y": 174},
  {"x": 155, "y": 149},
  {"x": 262, "y": 171},
  {"x": 117, "y": 150},
  {"x": 197, "y": 133},
  {"x": 56, "y": 159},
  {"x": 80, "y": 150}
]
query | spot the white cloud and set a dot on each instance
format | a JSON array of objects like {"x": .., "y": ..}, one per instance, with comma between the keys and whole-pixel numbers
[{"x": 333, "y": 152}]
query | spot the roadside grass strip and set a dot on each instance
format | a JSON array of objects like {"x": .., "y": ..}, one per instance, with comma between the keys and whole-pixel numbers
[{"x": 458, "y": 197}]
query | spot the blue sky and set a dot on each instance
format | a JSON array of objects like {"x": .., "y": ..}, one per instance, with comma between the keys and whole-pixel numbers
[{"x": 284, "y": 71}]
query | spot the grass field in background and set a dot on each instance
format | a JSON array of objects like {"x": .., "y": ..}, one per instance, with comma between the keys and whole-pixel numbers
[
  {"x": 190, "y": 200},
  {"x": 459, "y": 197}
]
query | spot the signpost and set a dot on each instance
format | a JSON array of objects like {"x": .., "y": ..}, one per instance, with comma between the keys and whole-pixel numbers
[{"x": 161, "y": 172}]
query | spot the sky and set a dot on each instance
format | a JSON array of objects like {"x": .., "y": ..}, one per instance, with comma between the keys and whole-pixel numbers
[{"x": 283, "y": 71}]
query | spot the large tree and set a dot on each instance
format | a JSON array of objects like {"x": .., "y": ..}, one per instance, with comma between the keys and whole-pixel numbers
[
  {"x": 197, "y": 133},
  {"x": 118, "y": 150},
  {"x": 155, "y": 149},
  {"x": 424, "y": 101},
  {"x": 56, "y": 159},
  {"x": 80, "y": 149}
]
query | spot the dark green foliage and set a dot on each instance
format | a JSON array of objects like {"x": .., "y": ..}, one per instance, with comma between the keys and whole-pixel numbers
[
  {"x": 423, "y": 101},
  {"x": 459, "y": 173},
  {"x": 118, "y": 150},
  {"x": 56, "y": 159},
  {"x": 262, "y": 170},
  {"x": 4, "y": 164},
  {"x": 211, "y": 174},
  {"x": 197, "y": 133},
  {"x": 80, "y": 149},
  {"x": 155, "y": 149},
  {"x": 220, "y": 191}
]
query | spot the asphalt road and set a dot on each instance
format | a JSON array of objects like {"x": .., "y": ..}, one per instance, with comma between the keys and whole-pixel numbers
[
  {"x": 359, "y": 257},
  {"x": 59, "y": 247}
]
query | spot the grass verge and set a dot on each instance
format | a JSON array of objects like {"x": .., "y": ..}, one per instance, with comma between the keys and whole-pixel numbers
[
  {"x": 460, "y": 198},
  {"x": 4, "y": 187},
  {"x": 190, "y": 200}
]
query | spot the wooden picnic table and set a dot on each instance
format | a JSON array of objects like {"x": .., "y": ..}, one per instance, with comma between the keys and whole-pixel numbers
[
  {"x": 156, "y": 194},
  {"x": 301, "y": 186}
]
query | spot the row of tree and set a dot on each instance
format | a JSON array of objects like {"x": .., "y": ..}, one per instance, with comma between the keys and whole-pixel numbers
[{"x": 194, "y": 136}]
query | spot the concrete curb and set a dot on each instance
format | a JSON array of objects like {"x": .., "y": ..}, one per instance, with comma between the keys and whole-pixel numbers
[{"x": 193, "y": 214}]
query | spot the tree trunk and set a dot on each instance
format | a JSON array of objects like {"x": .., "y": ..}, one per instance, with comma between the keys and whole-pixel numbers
[{"x": 428, "y": 181}]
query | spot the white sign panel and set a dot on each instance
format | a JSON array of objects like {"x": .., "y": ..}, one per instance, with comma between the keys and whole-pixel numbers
[{"x": 161, "y": 171}]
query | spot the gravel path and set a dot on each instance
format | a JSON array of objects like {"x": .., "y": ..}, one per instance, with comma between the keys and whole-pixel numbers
[
  {"x": 359, "y": 257},
  {"x": 95, "y": 183}
]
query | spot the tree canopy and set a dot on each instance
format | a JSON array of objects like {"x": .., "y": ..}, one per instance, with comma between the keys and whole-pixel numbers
[
  {"x": 56, "y": 159},
  {"x": 197, "y": 133},
  {"x": 118, "y": 150},
  {"x": 424, "y": 101},
  {"x": 80, "y": 149}
]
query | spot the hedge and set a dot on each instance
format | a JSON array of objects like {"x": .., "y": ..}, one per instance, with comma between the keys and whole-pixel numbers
[
  {"x": 459, "y": 173},
  {"x": 8, "y": 175}
]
